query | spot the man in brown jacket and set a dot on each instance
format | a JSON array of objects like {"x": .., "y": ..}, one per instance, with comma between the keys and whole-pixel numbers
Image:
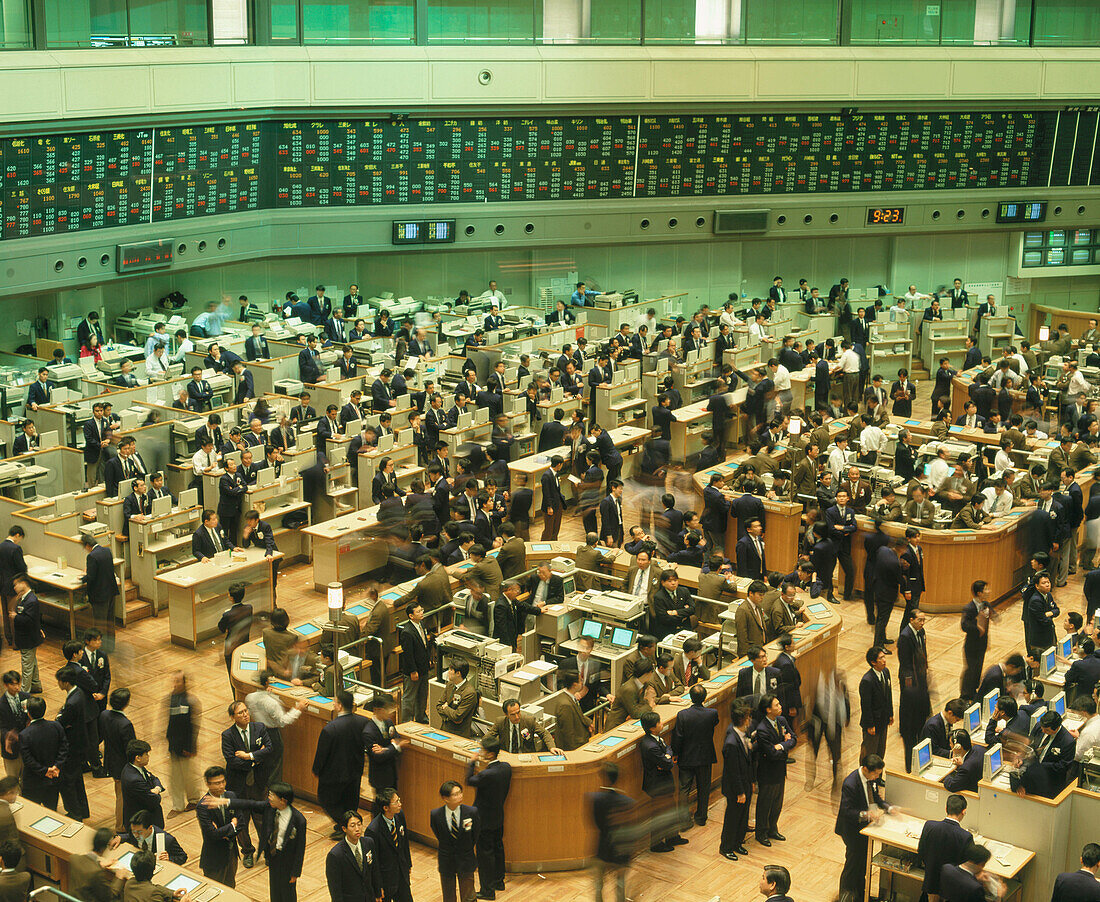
[
  {"x": 588, "y": 558},
  {"x": 574, "y": 727},
  {"x": 749, "y": 621},
  {"x": 631, "y": 701},
  {"x": 460, "y": 699},
  {"x": 89, "y": 878},
  {"x": 512, "y": 555}
]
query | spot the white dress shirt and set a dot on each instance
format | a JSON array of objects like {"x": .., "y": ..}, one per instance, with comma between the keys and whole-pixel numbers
[
  {"x": 938, "y": 471},
  {"x": 1003, "y": 460},
  {"x": 995, "y": 504},
  {"x": 782, "y": 378},
  {"x": 282, "y": 821},
  {"x": 850, "y": 362},
  {"x": 871, "y": 439},
  {"x": 181, "y": 352},
  {"x": 264, "y": 708},
  {"x": 1089, "y": 736},
  {"x": 202, "y": 460},
  {"x": 759, "y": 332},
  {"x": 838, "y": 460},
  {"x": 1078, "y": 384},
  {"x": 730, "y": 319}
]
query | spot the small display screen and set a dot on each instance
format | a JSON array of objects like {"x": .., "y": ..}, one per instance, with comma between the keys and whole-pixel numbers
[
  {"x": 592, "y": 629},
  {"x": 722, "y": 678},
  {"x": 551, "y": 757},
  {"x": 183, "y": 882},
  {"x": 541, "y": 547},
  {"x": 611, "y": 741},
  {"x": 622, "y": 637},
  {"x": 817, "y": 608},
  {"x": 47, "y": 825},
  {"x": 249, "y": 665},
  {"x": 924, "y": 756},
  {"x": 1033, "y": 239},
  {"x": 438, "y": 737},
  {"x": 124, "y": 860},
  {"x": 1056, "y": 238},
  {"x": 1067, "y": 647},
  {"x": 994, "y": 761},
  {"x": 885, "y": 215},
  {"x": 1021, "y": 211},
  {"x": 1082, "y": 236},
  {"x": 1033, "y": 258},
  {"x": 357, "y": 610},
  {"x": 973, "y": 718},
  {"x": 1060, "y": 704},
  {"x": 991, "y": 700},
  {"x": 307, "y": 629},
  {"x": 431, "y": 231},
  {"x": 1080, "y": 256},
  {"x": 320, "y": 699}
]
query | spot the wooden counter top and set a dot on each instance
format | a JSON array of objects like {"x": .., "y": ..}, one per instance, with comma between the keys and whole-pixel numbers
[{"x": 197, "y": 573}]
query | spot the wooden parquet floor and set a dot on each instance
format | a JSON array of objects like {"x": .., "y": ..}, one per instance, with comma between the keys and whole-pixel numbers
[{"x": 145, "y": 659}]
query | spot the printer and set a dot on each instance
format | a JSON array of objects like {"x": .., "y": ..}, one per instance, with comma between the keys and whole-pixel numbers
[{"x": 618, "y": 605}]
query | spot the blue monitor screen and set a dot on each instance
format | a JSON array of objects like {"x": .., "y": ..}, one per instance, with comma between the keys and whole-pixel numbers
[
  {"x": 991, "y": 700},
  {"x": 611, "y": 741},
  {"x": 592, "y": 629},
  {"x": 438, "y": 737},
  {"x": 1060, "y": 704},
  {"x": 622, "y": 637},
  {"x": 357, "y": 610},
  {"x": 1049, "y": 664},
  {"x": 248, "y": 665},
  {"x": 1067, "y": 648},
  {"x": 994, "y": 762},
  {"x": 551, "y": 757},
  {"x": 723, "y": 678},
  {"x": 924, "y": 756},
  {"x": 307, "y": 629},
  {"x": 538, "y": 547},
  {"x": 817, "y": 608},
  {"x": 320, "y": 699},
  {"x": 973, "y": 718}
]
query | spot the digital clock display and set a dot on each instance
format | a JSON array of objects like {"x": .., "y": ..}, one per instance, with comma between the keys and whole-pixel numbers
[
  {"x": 1021, "y": 211},
  {"x": 885, "y": 215},
  {"x": 145, "y": 255}
]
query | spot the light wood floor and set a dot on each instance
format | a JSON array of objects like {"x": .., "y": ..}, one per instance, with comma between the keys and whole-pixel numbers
[{"x": 145, "y": 659}]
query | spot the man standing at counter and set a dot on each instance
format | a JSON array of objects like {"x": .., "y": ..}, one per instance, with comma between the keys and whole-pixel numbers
[
  {"x": 492, "y": 784},
  {"x": 338, "y": 761},
  {"x": 840, "y": 521},
  {"x": 693, "y": 746},
  {"x": 416, "y": 645},
  {"x": 861, "y": 803},
  {"x": 975, "y": 627}
]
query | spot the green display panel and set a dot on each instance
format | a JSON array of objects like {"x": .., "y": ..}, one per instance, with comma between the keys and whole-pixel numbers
[{"x": 59, "y": 183}]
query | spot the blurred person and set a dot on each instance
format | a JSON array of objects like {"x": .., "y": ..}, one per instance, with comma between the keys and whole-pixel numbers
[{"x": 182, "y": 734}]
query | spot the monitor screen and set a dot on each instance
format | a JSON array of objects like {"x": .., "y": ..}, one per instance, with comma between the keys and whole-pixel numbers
[
  {"x": 438, "y": 737},
  {"x": 924, "y": 755},
  {"x": 47, "y": 825},
  {"x": 723, "y": 678},
  {"x": 622, "y": 637},
  {"x": 307, "y": 629},
  {"x": 183, "y": 882},
  {"x": 1067, "y": 648},
  {"x": 592, "y": 629},
  {"x": 973, "y": 718},
  {"x": 991, "y": 700},
  {"x": 357, "y": 609},
  {"x": 1055, "y": 256},
  {"x": 1049, "y": 661},
  {"x": 1058, "y": 703},
  {"x": 539, "y": 547},
  {"x": 551, "y": 757},
  {"x": 1080, "y": 256},
  {"x": 1033, "y": 239},
  {"x": 994, "y": 757},
  {"x": 248, "y": 665},
  {"x": 1056, "y": 237},
  {"x": 124, "y": 860},
  {"x": 611, "y": 741},
  {"x": 1082, "y": 236},
  {"x": 320, "y": 699},
  {"x": 818, "y": 609},
  {"x": 1033, "y": 258}
]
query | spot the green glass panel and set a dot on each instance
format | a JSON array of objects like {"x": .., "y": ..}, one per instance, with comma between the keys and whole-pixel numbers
[
  {"x": 913, "y": 22},
  {"x": 178, "y": 22},
  {"x": 15, "y": 25},
  {"x": 790, "y": 21},
  {"x": 616, "y": 22},
  {"x": 359, "y": 22},
  {"x": 118, "y": 23},
  {"x": 473, "y": 21},
  {"x": 1066, "y": 23},
  {"x": 284, "y": 21},
  {"x": 670, "y": 21}
]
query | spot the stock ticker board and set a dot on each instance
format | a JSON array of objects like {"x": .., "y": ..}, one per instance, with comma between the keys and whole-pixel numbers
[{"x": 58, "y": 183}]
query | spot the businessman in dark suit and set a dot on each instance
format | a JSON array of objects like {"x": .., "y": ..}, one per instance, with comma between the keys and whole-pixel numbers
[
  {"x": 255, "y": 348},
  {"x": 693, "y": 746},
  {"x": 199, "y": 390},
  {"x": 1054, "y": 749},
  {"x": 659, "y": 783},
  {"x": 352, "y": 868},
  {"x": 510, "y": 614},
  {"x": 309, "y": 370},
  {"x": 100, "y": 584},
  {"x": 382, "y": 746},
  {"x": 456, "y": 828},
  {"x": 246, "y": 748},
  {"x": 391, "y": 843},
  {"x": 943, "y": 842},
  {"x": 141, "y": 790},
  {"x": 774, "y": 740},
  {"x": 209, "y": 538},
  {"x": 219, "y": 855},
  {"x": 492, "y": 782},
  {"x": 938, "y": 727},
  {"x": 71, "y": 717},
  {"x": 44, "y": 748},
  {"x": 611, "y": 515},
  {"x": 962, "y": 882},
  {"x": 840, "y": 524},
  {"x": 750, "y": 553},
  {"x": 552, "y": 434},
  {"x": 416, "y": 645},
  {"x": 861, "y": 803},
  {"x": 338, "y": 761},
  {"x": 1080, "y": 885},
  {"x": 95, "y": 434},
  {"x": 737, "y": 782},
  {"x": 553, "y": 502},
  {"x": 41, "y": 390},
  {"x": 876, "y": 704}
]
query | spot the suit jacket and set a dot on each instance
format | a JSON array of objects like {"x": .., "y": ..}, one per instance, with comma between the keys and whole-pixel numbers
[
  {"x": 414, "y": 651},
  {"x": 555, "y": 589},
  {"x": 161, "y": 841},
  {"x": 347, "y": 881},
  {"x": 394, "y": 858},
  {"x": 381, "y": 766},
  {"x": 458, "y": 706},
  {"x": 572, "y": 724},
  {"x": 975, "y": 642},
  {"x": 11, "y": 724},
  {"x": 532, "y": 737},
  {"x": 1048, "y": 777},
  {"x": 456, "y": 854},
  {"x": 853, "y": 804},
  {"x": 138, "y": 795},
  {"x": 657, "y": 764},
  {"x": 746, "y": 680},
  {"x": 219, "y": 836},
  {"x": 957, "y": 885},
  {"x": 750, "y": 563},
  {"x": 771, "y": 766},
  {"x": 512, "y": 557},
  {"x": 308, "y": 370},
  {"x": 552, "y": 435},
  {"x": 1078, "y": 886},
  {"x": 551, "y": 491},
  {"x": 941, "y": 842},
  {"x": 693, "y": 736},
  {"x": 90, "y": 881},
  {"x": 875, "y": 700},
  {"x": 15, "y": 886},
  {"x": 936, "y": 729},
  {"x": 340, "y": 752},
  {"x": 492, "y": 783},
  {"x": 256, "y": 348},
  {"x": 629, "y": 703},
  {"x": 750, "y": 629},
  {"x": 737, "y": 771},
  {"x": 203, "y": 546},
  {"x": 238, "y": 769},
  {"x": 699, "y": 672},
  {"x": 967, "y": 774}
]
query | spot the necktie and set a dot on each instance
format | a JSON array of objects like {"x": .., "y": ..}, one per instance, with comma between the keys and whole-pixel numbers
[
  {"x": 760, "y": 682},
  {"x": 217, "y": 547},
  {"x": 515, "y": 738},
  {"x": 358, "y": 856},
  {"x": 244, "y": 736},
  {"x": 393, "y": 830},
  {"x": 454, "y": 824},
  {"x": 687, "y": 673},
  {"x": 638, "y": 582},
  {"x": 583, "y": 669},
  {"x": 14, "y": 702}
]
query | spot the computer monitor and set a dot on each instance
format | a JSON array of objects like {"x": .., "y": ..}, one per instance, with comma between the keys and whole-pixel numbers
[
  {"x": 1049, "y": 662},
  {"x": 162, "y": 506},
  {"x": 993, "y": 762},
  {"x": 1065, "y": 648},
  {"x": 973, "y": 717},
  {"x": 618, "y": 377},
  {"x": 1033, "y": 721},
  {"x": 592, "y": 629},
  {"x": 48, "y": 439},
  {"x": 1058, "y": 703},
  {"x": 385, "y": 442},
  {"x": 481, "y": 416},
  {"x": 465, "y": 420},
  {"x": 922, "y": 755},
  {"x": 557, "y": 394},
  {"x": 622, "y": 637},
  {"x": 64, "y": 504},
  {"x": 124, "y": 488},
  {"x": 266, "y": 476},
  {"x": 989, "y": 703},
  {"x": 519, "y": 404},
  {"x": 189, "y": 498}
]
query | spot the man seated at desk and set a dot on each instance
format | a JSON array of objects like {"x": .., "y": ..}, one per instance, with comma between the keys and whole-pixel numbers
[
  {"x": 972, "y": 514},
  {"x": 590, "y": 672},
  {"x": 210, "y": 538},
  {"x": 519, "y": 733},
  {"x": 1045, "y": 774}
]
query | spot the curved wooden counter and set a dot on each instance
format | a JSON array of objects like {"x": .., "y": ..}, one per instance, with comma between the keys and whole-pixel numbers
[{"x": 549, "y": 794}]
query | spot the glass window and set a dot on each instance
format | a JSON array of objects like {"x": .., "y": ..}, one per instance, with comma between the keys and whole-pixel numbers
[
  {"x": 472, "y": 21},
  {"x": 15, "y": 25},
  {"x": 359, "y": 22},
  {"x": 790, "y": 21},
  {"x": 616, "y": 22},
  {"x": 670, "y": 21},
  {"x": 1065, "y": 22},
  {"x": 913, "y": 22},
  {"x": 119, "y": 23}
]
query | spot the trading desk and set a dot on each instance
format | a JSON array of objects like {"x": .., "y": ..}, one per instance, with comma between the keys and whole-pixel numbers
[
  {"x": 48, "y": 854},
  {"x": 546, "y": 789}
]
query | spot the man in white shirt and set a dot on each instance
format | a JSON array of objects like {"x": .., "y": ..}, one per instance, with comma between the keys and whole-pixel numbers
[
  {"x": 728, "y": 316},
  {"x": 156, "y": 364},
  {"x": 781, "y": 377},
  {"x": 184, "y": 345},
  {"x": 898, "y": 313},
  {"x": 938, "y": 471},
  {"x": 264, "y": 707},
  {"x": 850, "y": 364},
  {"x": 493, "y": 293},
  {"x": 871, "y": 441},
  {"x": 1078, "y": 384},
  {"x": 913, "y": 295},
  {"x": 649, "y": 320},
  {"x": 1031, "y": 430},
  {"x": 1088, "y": 737},
  {"x": 838, "y": 458},
  {"x": 205, "y": 461},
  {"x": 159, "y": 337},
  {"x": 998, "y": 499},
  {"x": 759, "y": 330}
]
